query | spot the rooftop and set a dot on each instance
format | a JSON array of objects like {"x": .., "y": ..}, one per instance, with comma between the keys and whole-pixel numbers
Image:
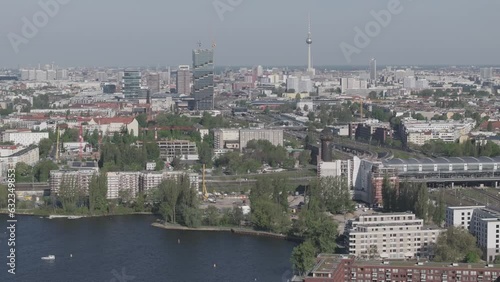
[{"x": 442, "y": 160}]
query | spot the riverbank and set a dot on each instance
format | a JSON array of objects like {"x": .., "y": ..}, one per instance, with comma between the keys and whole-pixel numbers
[
  {"x": 234, "y": 230},
  {"x": 73, "y": 216}
]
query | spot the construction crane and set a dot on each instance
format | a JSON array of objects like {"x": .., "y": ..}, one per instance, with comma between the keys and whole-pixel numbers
[
  {"x": 204, "y": 185},
  {"x": 80, "y": 139},
  {"x": 57, "y": 143}
]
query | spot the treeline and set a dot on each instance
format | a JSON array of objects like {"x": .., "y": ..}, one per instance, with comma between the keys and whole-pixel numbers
[
  {"x": 468, "y": 148},
  {"x": 38, "y": 173},
  {"x": 177, "y": 202},
  {"x": 413, "y": 197},
  {"x": 319, "y": 230},
  {"x": 73, "y": 198},
  {"x": 269, "y": 205},
  {"x": 457, "y": 245},
  {"x": 257, "y": 153},
  {"x": 121, "y": 154}
]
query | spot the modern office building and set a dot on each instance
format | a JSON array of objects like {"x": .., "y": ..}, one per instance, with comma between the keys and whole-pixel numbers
[
  {"x": 203, "y": 79},
  {"x": 481, "y": 222},
  {"x": 390, "y": 236},
  {"x": 183, "y": 81},
  {"x": 339, "y": 268},
  {"x": 131, "y": 83},
  {"x": 486, "y": 73},
  {"x": 153, "y": 80},
  {"x": 373, "y": 69}
]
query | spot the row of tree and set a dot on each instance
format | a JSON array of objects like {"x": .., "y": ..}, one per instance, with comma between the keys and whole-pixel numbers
[
  {"x": 319, "y": 231},
  {"x": 468, "y": 148},
  {"x": 412, "y": 197}
]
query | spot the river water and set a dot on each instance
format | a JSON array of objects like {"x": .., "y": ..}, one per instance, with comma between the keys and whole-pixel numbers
[{"x": 129, "y": 249}]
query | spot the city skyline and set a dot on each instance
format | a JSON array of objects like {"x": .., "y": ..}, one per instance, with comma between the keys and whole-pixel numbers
[{"x": 69, "y": 39}]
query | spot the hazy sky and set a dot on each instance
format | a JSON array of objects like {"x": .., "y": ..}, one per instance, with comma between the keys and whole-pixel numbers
[{"x": 266, "y": 32}]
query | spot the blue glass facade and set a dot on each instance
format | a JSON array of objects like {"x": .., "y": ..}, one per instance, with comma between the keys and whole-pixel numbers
[{"x": 203, "y": 79}]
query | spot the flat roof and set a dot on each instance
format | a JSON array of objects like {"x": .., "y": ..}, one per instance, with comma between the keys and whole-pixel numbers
[{"x": 442, "y": 160}]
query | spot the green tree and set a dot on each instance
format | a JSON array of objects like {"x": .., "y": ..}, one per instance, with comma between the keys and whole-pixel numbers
[
  {"x": 440, "y": 210},
  {"x": 456, "y": 244},
  {"x": 44, "y": 147},
  {"x": 212, "y": 216},
  {"x": 24, "y": 173},
  {"x": 422, "y": 203},
  {"x": 70, "y": 194},
  {"x": 303, "y": 258},
  {"x": 42, "y": 170},
  {"x": 206, "y": 153},
  {"x": 305, "y": 157},
  {"x": 98, "y": 190},
  {"x": 3, "y": 196}
]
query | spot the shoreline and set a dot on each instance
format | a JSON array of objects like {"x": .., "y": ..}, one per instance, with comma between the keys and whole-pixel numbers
[
  {"x": 56, "y": 216},
  {"x": 234, "y": 230}
]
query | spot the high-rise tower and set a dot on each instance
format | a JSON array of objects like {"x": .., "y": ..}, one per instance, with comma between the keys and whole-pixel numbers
[
  {"x": 309, "y": 42},
  {"x": 373, "y": 70},
  {"x": 203, "y": 79}
]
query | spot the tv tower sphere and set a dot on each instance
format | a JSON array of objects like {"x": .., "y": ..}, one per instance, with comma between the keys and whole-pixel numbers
[{"x": 309, "y": 40}]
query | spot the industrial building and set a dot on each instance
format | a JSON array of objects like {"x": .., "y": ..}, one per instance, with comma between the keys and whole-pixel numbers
[
  {"x": 390, "y": 236},
  {"x": 339, "y": 268},
  {"x": 439, "y": 172}
]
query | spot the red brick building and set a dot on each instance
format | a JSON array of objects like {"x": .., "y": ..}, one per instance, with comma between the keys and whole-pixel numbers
[{"x": 338, "y": 268}]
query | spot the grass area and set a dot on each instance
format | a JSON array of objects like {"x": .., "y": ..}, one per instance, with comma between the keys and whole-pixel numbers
[{"x": 401, "y": 154}]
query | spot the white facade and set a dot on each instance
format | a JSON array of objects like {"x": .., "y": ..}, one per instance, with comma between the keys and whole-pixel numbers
[
  {"x": 122, "y": 181},
  {"x": 305, "y": 85},
  {"x": 10, "y": 157},
  {"x": 393, "y": 236},
  {"x": 409, "y": 83},
  {"x": 338, "y": 168},
  {"x": 481, "y": 222},
  {"x": 422, "y": 84},
  {"x": 292, "y": 82},
  {"x": 419, "y": 132},
  {"x": 24, "y": 138},
  {"x": 41, "y": 75}
]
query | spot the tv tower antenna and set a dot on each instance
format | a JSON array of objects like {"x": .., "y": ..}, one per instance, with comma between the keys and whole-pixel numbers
[{"x": 310, "y": 69}]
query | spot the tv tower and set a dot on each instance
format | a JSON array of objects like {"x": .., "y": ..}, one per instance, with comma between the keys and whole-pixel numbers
[{"x": 310, "y": 70}]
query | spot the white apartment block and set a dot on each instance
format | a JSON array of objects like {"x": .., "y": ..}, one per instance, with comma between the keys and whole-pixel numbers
[
  {"x": 460, "y": 216},
  {"x": 80, "y": 178},
  {"x": 222, "y": 137},
  {"x": 24, "y": 138},
  {"x": 275, "y": 136},
  {"x": 420, "y": 132},
  {"x": 10, "y": 156},
  {"x": 122, "y": 181},
  {"x": 481, "y": 222},
  {"x": 393, "y": 236},
  {"x": 338, "y": 168}
]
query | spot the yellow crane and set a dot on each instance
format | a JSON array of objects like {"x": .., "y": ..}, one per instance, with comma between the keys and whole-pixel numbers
[{"x": 57, "y": 143}]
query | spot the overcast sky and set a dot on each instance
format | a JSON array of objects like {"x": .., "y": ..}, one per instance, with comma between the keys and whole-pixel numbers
[{"x": 265, "y": 32}]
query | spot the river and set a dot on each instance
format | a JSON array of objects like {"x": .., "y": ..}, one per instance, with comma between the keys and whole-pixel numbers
[{"x": 129, "y": 249}]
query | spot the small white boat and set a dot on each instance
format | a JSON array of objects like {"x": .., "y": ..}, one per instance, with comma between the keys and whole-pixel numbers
[
  {"x": 74, "y": 217},
  {"x": 49, "y": 257}
]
